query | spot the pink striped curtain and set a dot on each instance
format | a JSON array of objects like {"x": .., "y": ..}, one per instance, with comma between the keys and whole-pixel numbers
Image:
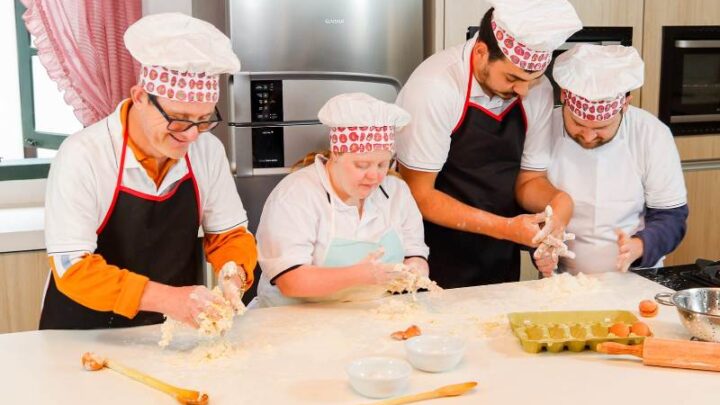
[{"x": 80, "y": 43}]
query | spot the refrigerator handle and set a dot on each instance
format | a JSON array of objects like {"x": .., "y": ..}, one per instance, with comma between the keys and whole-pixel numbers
[{"x": 346, "y": 76}]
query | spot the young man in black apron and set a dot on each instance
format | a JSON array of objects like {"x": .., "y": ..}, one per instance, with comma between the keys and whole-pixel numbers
[
  {"x": 128, "y": 194},
  {"x": 476, "y": 152}
]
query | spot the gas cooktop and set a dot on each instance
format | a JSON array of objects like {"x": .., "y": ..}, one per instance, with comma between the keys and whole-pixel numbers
[{"x": 703, "y": 273}]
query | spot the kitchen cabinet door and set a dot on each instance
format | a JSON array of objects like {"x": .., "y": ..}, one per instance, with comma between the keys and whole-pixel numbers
[
  {"x": 22, "y": 284},
  {"x": 703, "y": 237}
]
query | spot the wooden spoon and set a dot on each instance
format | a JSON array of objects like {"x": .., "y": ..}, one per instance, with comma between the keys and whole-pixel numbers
[
  {"x": 446, "y": 391},
  {"x": 93, "y": 362}
]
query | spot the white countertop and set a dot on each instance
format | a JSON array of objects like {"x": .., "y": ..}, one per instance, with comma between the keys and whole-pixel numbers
[
  {"x": 22, "y": 228},
  {"x": 298, "y": 355}
]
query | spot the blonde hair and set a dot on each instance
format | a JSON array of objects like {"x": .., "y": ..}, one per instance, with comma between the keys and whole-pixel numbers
[{"x": 309, "y": 159}]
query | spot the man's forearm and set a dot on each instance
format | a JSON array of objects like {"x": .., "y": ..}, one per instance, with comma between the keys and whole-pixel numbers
[
  {"x": 444, "y": 210},
  {"x": 534, "y": 192}
]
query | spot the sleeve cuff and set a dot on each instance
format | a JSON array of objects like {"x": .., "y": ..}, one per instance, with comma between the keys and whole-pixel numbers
[
  {"x": 289, "y": 269},
  {"x": 645, "y": 260},
  {"x": 128, "y": 303},
  {"x": 421, "y": 167}
]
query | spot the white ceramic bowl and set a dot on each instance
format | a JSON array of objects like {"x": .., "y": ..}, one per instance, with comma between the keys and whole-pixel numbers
[
  {"x": 435, "y": 353},
  {"x": 379, "y": 377}
]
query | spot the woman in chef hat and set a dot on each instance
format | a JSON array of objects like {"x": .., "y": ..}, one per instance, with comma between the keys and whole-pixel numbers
[{"x": 335, "y": 229}]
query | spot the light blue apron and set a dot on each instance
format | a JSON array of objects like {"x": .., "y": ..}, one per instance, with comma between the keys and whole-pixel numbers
[{"x": 342, "y": 252}]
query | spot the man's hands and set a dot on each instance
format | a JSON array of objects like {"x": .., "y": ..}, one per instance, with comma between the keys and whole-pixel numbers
[
  {"x": 524, "y": 229},
  {"x": 552, "y": 245},
  {"x": 231, "y": 279},
  {"x": 183, "y": 304},
  {"x": 629, "y": 250}
]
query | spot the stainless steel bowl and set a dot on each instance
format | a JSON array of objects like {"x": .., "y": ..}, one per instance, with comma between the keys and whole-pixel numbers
[{"x": 699, "y": 311}]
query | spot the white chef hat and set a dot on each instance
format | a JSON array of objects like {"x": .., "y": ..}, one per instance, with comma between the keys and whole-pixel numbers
[
  {"x": 361, "y": 123},
  {"x": 181, "y": 56},
  {"x": 595, "y": 78},
  {"x": 528, "y": 31}
]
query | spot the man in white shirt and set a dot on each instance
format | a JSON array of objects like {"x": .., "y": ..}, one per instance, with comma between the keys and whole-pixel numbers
[
  {"x": 618, "y": 162},
  {"x": 127, "y": 195},
  {"x": 476, "y": 151}
]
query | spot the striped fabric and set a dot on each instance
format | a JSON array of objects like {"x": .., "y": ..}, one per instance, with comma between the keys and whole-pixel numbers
[{"x": 80, "y": 43}]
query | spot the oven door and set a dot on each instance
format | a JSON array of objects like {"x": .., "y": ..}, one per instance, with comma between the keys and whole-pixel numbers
[{"x": 690, "y": 80}]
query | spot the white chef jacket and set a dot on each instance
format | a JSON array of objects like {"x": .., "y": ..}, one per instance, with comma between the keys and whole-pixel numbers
[
  {"x": 612, "y": 184},
  {"x": 83, "y": 176},
  {"x": 435, "y": 96},
  {"x": 296, "y": 220}
]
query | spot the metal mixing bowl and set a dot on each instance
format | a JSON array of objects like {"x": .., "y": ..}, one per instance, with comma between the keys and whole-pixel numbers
[{"x": 699, "y": 311}]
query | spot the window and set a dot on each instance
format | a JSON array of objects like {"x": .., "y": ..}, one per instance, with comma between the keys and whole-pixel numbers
[{"x": 38, "y": 117}]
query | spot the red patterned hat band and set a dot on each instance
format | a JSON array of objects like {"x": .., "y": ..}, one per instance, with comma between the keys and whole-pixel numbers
[
  {"x": 186, "y": 87},
  {"x": 362, "y": 139},
  {"x": 519, "y": 54},
  {"x": 600, "y": 110}
]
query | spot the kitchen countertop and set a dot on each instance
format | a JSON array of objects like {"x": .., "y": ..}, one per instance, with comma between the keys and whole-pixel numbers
[
  {"x": 22, "y": 228},
  {"x": 298, "y": 354}
]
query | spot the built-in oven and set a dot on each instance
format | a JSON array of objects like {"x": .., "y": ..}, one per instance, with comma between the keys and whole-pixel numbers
[
  {"x": 587, "y": 35},
  {"x": 690, "y": 79}
]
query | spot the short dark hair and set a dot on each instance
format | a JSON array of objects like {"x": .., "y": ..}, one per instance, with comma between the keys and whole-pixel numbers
[{"x": 487, "y": 36}]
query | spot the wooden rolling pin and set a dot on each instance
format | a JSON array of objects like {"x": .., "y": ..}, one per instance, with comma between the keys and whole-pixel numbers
[{"x": 670, "y": 353}]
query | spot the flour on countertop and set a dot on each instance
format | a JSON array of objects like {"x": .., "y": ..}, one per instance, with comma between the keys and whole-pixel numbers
[
  {"x": 565, "y": 284},
  {"x": 209, "y": 350},
  {"x": 396, "y": 308}
]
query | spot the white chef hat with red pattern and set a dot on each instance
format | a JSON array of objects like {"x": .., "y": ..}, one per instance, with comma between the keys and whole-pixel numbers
[
  {"x": 181, "y": 56},
  {"x": 595, "y": 79},
  {"x": 528, "y": 31},
  {"x": 361, "y": 123}
]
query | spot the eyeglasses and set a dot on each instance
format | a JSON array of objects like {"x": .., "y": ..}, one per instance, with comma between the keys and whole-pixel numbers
[{"x": 178, "y": 125}]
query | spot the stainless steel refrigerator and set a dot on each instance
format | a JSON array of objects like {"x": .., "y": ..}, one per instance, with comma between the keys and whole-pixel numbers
[{"x": 295, "y": 55}]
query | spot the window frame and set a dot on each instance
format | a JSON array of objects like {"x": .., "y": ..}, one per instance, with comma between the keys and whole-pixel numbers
[{"x": 31, "y": 167}]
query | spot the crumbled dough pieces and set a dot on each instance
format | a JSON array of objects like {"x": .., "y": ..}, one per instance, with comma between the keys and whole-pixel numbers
[
  {"x": 208, "y": 328},
  {"x": 411, "y": 281}
]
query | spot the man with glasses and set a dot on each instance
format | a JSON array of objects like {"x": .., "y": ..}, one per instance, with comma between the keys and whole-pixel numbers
[
  {"x": 618, "y": 162},
  {"x": 127, "y": 195}
]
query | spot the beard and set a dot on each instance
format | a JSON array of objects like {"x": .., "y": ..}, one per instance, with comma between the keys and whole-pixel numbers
[{"x": 482, "y": 80}]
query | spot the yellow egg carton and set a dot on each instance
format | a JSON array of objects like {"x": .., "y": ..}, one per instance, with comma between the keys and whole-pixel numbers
[{"x": 570, "y": 330}]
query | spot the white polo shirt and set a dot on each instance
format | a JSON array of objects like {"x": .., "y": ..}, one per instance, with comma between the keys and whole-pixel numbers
[
  {"x": 296, "y": 220},
  {"x": 653, "y": 151},
  {"x": 435, "y": 97},
  {"x": 84, "y": 173},
  {"x": 613, "y": 184}
]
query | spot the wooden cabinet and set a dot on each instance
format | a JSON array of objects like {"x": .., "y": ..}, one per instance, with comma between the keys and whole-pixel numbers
[
  {"x": 703, "y": 237},
  {"x": 700, "y": 154},
  {"x": 22, "y": 284}
]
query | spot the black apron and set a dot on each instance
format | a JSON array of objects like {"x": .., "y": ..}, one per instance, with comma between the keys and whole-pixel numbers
[
  {"x": 481, "y": 169},
  {"x": 153, "y": 236}
]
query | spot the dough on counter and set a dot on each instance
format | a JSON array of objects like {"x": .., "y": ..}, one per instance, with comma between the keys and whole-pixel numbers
[
  {"x": 208, "y": 328},
  {"x": 411, "y": 282}
]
